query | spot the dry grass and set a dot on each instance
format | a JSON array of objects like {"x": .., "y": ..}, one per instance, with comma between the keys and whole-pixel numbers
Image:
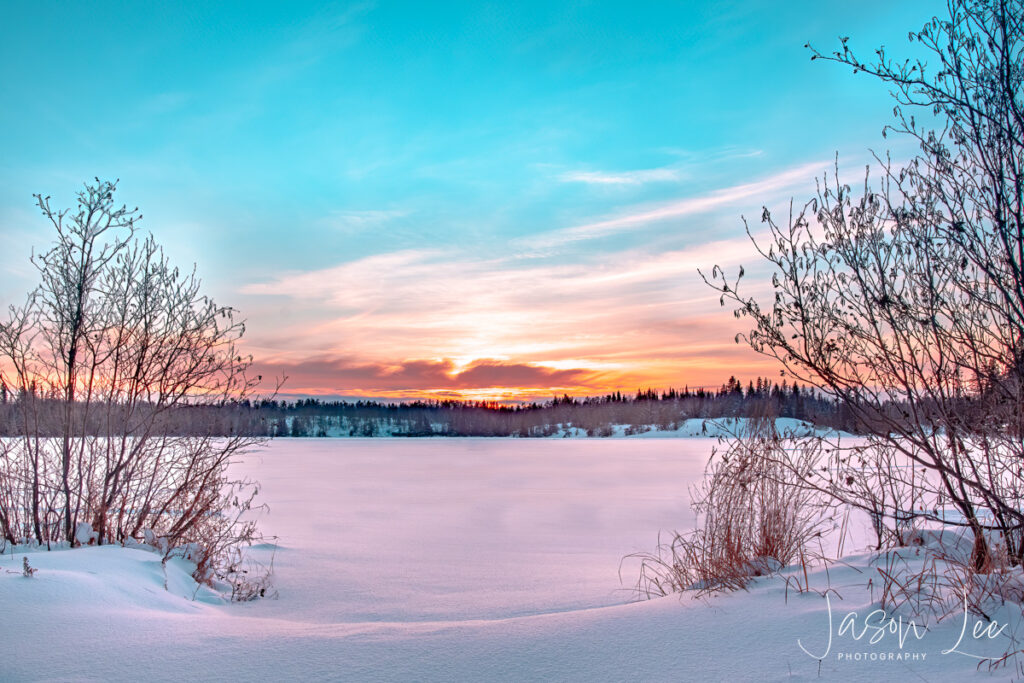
[
  {"x": 938, "y": 579},
  {"x": 754, "y": 519}
]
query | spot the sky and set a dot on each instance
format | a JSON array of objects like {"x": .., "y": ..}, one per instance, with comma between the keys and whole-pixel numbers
[{"x": 499, "y": 201}]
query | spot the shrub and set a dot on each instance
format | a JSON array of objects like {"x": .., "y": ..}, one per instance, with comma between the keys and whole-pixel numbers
[{"x": 104, "y": 359}]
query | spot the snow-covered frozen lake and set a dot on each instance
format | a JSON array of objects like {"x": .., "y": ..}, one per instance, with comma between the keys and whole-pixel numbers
[
  {"x": 464, "y": 560},
  {"x": 455, "y": 529}
]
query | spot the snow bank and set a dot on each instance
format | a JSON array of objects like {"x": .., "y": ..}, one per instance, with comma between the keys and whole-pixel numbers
[
  {"x": 701, "y": 428},
  {"x": 111, "y": 620},
  {"x": 107, "y": 578}
]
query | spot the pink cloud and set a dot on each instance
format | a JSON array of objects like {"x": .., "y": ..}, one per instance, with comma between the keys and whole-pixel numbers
[
  {"x": 491, "y": 373},
  {"x": 340, "y": 376}
]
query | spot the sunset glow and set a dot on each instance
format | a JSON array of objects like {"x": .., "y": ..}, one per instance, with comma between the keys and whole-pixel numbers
[{"x": 432, "y": 325}]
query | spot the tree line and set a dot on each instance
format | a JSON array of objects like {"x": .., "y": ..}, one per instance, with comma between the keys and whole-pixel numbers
[{"x": 594, "y": 416}]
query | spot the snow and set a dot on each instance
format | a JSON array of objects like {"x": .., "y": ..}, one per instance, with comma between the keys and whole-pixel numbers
[
  {"x": 84, "y": 535},
  {"x": 454, "y": 559},
  {"x": 465, "y": 528},
  {"x": 724, "y": 427}
]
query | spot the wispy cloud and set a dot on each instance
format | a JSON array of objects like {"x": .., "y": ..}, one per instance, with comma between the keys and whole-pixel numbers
[
  {"x": 163, "y": 103},
  {"x": 654, "y": 175},
  {"x": 677, "y": 209},
  {"x": 697, "y": 159},
  {"x": 242, "y": 94},
  {"x": 356, "y": 221}
]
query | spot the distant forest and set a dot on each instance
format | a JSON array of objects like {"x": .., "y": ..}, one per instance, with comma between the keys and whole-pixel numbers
[{"x": 311, "y": 417}]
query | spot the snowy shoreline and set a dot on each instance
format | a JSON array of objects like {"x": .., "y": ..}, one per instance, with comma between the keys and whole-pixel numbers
[{"x": 692, "y": 428}]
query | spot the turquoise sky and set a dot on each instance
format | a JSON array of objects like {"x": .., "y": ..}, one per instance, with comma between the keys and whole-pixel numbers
[{"x": 389, "y": 186}]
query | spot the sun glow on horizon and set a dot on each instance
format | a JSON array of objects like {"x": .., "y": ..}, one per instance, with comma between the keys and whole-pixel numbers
[{"x": 497, "y": 381}]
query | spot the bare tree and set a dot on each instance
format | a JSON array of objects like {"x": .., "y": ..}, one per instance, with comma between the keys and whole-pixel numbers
[
  {"x": 104, "y": 357},
  {"x": 905, "y": 302}
]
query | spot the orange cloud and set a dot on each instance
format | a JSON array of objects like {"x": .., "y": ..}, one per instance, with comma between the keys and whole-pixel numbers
[{"x": 485, "y": 378}]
